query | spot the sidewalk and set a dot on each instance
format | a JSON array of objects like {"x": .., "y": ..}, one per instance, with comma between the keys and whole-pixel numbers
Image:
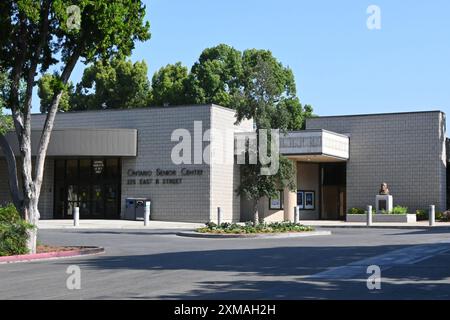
[
  {"x": 344, "y": 224},
  {"x": 116, "y": 224},
  {"x": 125, "y": 224}
]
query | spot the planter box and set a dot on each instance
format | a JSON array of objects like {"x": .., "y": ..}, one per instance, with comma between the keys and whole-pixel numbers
[{"x": 387, "y": 218}]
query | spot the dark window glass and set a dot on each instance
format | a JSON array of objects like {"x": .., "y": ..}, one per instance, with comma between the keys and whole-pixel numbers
[
  {"x": 72, "y": 170},
  {"x": 85, "y": 169},
  {"x": 60, "y": 169},
  {"x": 112, "y": 168}
]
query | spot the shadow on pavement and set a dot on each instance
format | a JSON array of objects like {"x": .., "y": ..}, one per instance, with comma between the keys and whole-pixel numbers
[{"x": 280, "y": 273}]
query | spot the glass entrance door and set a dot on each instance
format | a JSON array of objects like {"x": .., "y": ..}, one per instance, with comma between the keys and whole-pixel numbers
[{"x": 91, "y": 184}]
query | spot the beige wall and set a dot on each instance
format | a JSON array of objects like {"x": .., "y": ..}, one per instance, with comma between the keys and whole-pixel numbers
[
  {"x": 308, "y": 180},
  {"x": 196, "y": 199},
  {"x": 406, "y": 150},
  {"x": 225, "y": 174},
  {"x": 46, "y": 199}
]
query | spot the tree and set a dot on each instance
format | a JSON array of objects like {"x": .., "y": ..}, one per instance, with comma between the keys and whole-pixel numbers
[
  {"x": 168, "y": 85},
  {"x": 47, "y": 86},
  {"x": 113, "y": 84},
  {"x": 216, "y": 77},
  {"x": 268, "y": 90},
  {"x": 38, "y": 34}
]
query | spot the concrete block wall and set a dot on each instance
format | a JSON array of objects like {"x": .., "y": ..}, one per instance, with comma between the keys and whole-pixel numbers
[
  {"x": 225, "y": 173},
  {"x": 195, "y": 199},
  {"x": 406, "y": 150},
  {"x": 5, "y": 195},
  {"x": 46, "y": 199},
  {"x": 188, "y": 201}
]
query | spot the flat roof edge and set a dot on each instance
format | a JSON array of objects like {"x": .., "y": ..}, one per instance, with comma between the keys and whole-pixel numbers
[
  {"x": 376, "y": 114},
  {"x": 149, "y": 108}
]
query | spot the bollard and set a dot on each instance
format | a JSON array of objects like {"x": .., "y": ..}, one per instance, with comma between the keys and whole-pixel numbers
[
  {"x": 432, "y": 216},
  {"x": 76, "y": 217},
  {"x": 147, "y": 213},
  {"x": 296, "y": 214},
  {"x": 369, "y": 216},
  {"x": 219, "y": 216}
]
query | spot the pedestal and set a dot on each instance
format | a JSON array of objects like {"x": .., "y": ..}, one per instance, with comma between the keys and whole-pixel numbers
[{"x": 384, "y": 203}]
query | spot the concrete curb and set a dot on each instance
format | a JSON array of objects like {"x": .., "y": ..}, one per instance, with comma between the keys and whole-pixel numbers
[
  {"x": 380, "y": 227},
  {"x": 52, "y": 255},
  {"x": 194, "y": 234}
]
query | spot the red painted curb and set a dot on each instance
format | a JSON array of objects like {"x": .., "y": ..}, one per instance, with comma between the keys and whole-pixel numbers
[{"x": 51, "y": 255}]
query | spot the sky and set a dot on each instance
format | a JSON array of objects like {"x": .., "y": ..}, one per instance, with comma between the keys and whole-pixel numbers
[{"x": 340, "y": 65}]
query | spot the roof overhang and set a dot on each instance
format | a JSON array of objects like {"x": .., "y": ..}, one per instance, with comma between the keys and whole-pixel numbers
[
  {"x": 84, "y": 142},
  {"x": 315, "y": 146}
]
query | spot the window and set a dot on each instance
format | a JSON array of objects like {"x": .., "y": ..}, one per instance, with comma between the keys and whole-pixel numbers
[{"x": 276, "y": 203}]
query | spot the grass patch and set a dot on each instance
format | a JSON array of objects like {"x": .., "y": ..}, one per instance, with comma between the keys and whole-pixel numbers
[{"x": 249, "y": 228}]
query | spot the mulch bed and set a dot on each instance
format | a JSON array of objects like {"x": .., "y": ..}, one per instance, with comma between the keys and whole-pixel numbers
[{"x": 46, "y": 248}]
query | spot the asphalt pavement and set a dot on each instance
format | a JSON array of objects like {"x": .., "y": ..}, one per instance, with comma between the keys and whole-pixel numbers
[{"x": 157, "y": 264}]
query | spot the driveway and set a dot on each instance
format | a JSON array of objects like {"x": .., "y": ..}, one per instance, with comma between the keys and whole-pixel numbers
[{"x": 157, "y": 264}]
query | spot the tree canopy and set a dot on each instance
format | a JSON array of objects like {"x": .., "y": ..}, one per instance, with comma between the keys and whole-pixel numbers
[
  {"x": 113, "y": 84},
  {"x": 168, "y": 85},
  {"x": 48, "y": 84},
  {"x": 227, "y": 77},
  {"x": 40, "y": 35},
  {"x": 222, "y": 75}
]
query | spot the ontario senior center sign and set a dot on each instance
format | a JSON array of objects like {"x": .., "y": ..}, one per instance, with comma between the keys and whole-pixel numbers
[{"x": 161, "y": 176}]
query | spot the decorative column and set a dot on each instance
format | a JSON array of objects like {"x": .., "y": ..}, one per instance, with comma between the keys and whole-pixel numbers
[{"x": 290, "y": 198}]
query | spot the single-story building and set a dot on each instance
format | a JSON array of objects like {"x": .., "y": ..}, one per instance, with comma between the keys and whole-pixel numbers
[{"x": 99, "y": 159}]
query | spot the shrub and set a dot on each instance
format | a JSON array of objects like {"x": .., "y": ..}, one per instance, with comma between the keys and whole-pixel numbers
[
  {"x": 399, "y": 210},
  {"x": 356, "y": 211},
  {"x": 13, "y": 232},
  {"x": 249, "y": 228},
  {"x": 422, "y": 215},
  {"x": 444, "y": 216}
]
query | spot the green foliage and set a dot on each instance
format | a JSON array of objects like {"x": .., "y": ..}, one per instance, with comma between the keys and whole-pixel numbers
[
  {"x": 42, "y": 32},
  {"x": 249, "y": 228},
  {"x": 356, "y": 211},
  {"x": 48, "y": 85},
  {"x": 255, "y": 186},
  {"x": 399, "y": 210},
  {"x": 253, "y": 82},
  {"x": 216, "y": 77},
  {"x": 443, "y": 216},
  {"x": 113, "y": 84},
  {"x": 13, "y": 232},
  {"x": 439, "y": 216},
  {"x": 421, "y": 215},
  {"x": 168, "y": 85},
  {"x": 5, "y": 121}
]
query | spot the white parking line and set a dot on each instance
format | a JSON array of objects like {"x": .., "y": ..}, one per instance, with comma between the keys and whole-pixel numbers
[{"x": 405, "y": 256}]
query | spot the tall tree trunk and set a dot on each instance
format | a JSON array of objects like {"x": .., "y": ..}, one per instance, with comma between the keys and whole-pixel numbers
[
  {"x": 33, "y": 218},
  {"x": 255, "y": 213},
  {"x": 30, "y": 196}
]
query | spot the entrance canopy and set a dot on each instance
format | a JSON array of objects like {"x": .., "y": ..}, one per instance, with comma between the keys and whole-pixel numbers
[
  {"x": 315, "y": 146},
  {"x": 84, "y": 142}
]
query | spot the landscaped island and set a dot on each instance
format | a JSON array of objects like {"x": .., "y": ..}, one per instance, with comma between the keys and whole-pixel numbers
[{"x": 249, "y": 228}]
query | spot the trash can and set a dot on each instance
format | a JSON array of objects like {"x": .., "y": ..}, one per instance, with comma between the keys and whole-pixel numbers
[
  {"x": 135, "y": 208},
  {"x": 140, "y": 209}
]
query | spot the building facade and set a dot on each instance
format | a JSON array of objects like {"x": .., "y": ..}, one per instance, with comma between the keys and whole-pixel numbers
[{"x": 183, "y": 160}]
